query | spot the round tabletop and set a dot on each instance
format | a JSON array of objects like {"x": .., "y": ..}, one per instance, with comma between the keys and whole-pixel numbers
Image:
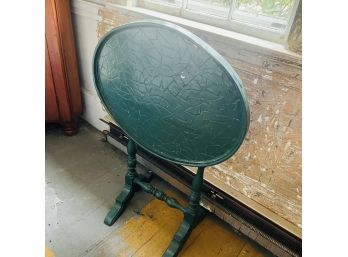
[{"x": 171, "y": 92}]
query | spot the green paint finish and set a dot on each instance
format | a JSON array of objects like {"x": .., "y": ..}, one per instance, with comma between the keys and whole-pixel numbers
[
  {"x": 171, "y": 93},
  {"x": 193, "y": 213},
  {"x": 129, "y": 188},
  {"x": 160, "y": 195},
  {"x": 177, "y": 98}
]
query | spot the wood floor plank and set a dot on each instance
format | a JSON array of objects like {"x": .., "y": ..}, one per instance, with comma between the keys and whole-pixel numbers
[
  {"x": 249, "y": 251},
  {"x": 210, "y": 239},
  {"x": 150, "y": 233}
]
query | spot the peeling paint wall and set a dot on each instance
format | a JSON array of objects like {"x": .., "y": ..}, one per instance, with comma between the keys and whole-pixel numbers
[{"x": 267, "y": 168}]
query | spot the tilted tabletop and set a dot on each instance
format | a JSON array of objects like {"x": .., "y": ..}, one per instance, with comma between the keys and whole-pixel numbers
[{"x": 171, "y": 93}]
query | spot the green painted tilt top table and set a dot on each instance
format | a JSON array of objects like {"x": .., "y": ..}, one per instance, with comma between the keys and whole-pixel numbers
[{"x": 177, "y": 98}]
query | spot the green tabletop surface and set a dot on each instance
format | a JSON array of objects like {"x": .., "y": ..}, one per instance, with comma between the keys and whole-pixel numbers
[{"x": 171, "y": 92}]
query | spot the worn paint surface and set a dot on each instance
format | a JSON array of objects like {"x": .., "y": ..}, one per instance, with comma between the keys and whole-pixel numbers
[
  {"x": 267, "y": 167},
  {"x": 49, "y": 252},
  {"x": 150, "y": 233}
]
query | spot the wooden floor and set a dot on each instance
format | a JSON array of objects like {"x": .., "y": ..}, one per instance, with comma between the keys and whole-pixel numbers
[{"x": 151, "y": 231}]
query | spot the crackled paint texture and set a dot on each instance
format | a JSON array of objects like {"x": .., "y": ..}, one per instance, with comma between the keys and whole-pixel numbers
[
  {"x": 191, "y": 111},
  {"x": 267, "y": 167}
]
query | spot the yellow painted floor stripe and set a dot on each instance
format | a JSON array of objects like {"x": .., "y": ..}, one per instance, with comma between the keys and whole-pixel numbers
[
  {"x": 49, "y": 252},
  {"x": 149, "y": 234}
]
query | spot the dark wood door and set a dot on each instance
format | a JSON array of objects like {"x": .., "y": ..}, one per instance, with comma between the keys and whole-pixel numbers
[{"x": 63, "y": 97}]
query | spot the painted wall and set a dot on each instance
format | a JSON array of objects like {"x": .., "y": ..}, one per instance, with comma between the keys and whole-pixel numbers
[
  {"x": 265, "y": 173},
  {"x": 85, "y": 21}
]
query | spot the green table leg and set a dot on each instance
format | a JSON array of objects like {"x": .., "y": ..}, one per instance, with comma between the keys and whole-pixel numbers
[
  {"x": 128, "y": 191},
  {"x": 192, "y": 216},
  {"x": 193, "y": 213}
]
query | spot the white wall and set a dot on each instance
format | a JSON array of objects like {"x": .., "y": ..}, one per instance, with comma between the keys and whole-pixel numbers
[{"x": 85, "y": 20}]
